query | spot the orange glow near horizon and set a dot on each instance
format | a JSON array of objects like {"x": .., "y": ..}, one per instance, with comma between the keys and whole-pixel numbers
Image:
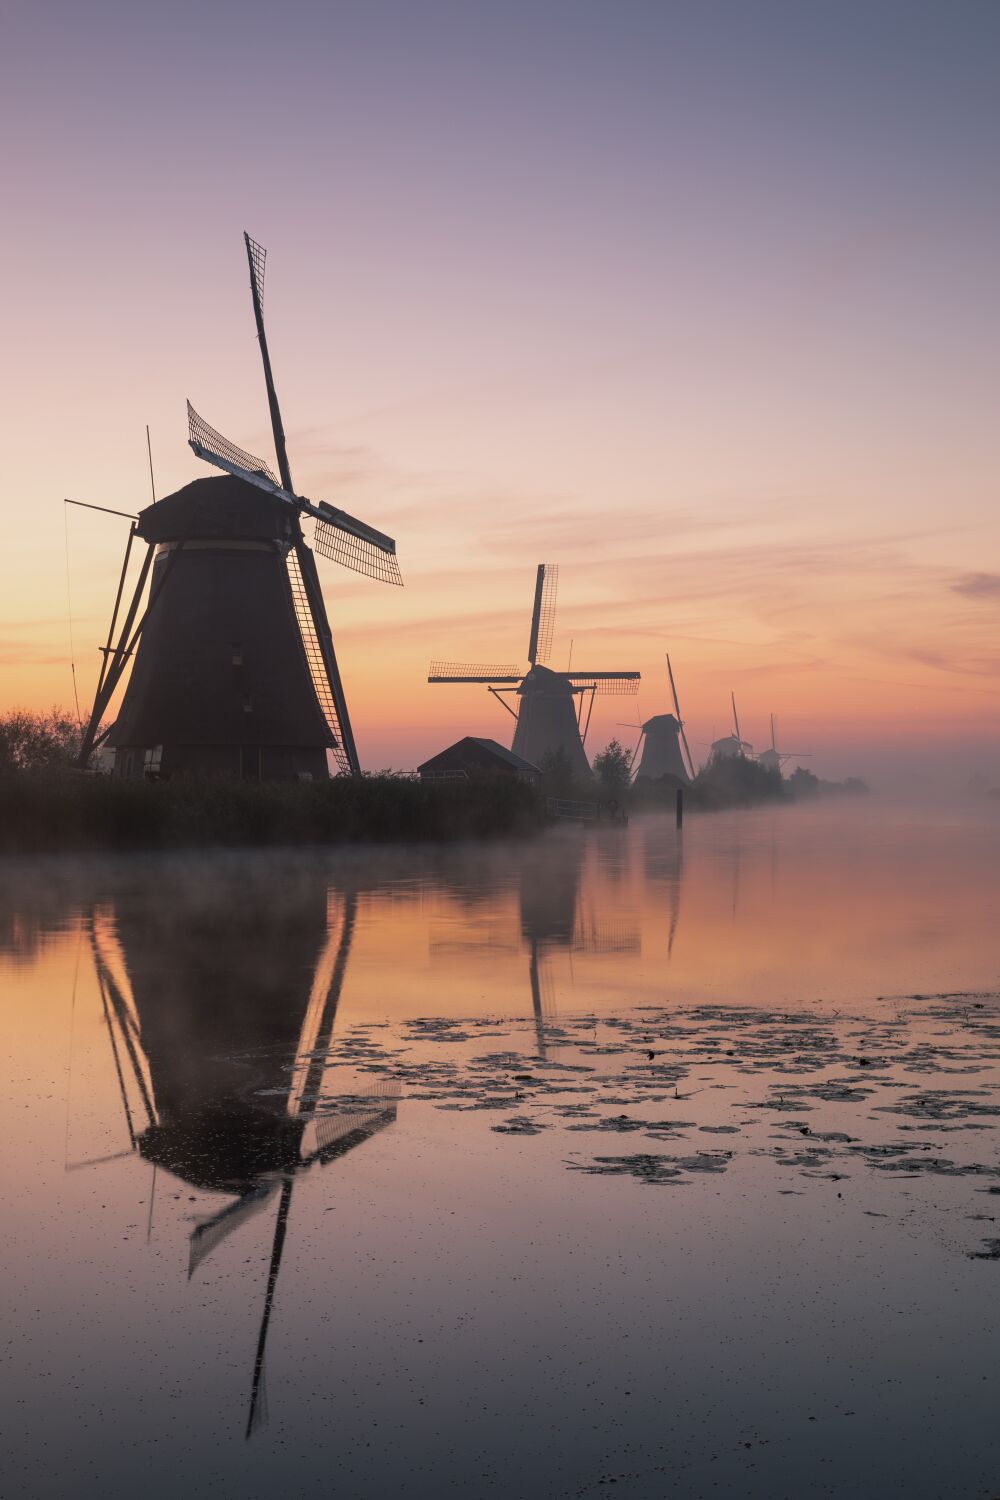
[{"x": 721, "y": 346}]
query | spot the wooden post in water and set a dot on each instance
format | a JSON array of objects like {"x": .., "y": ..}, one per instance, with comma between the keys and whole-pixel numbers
[{"x": 680, "y": 807}]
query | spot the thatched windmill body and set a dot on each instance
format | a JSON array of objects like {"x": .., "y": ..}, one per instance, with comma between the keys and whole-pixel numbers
[
  {"x": 549, "y": 718},
  {"x": 662, "y": 738},
  {"x": 234, "y": 664}
]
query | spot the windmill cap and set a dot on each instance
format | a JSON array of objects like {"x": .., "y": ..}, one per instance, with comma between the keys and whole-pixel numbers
[
  {"x": 662, "y": 721},
  {"x": 544, "y": 680},
  {"x": 215, "y": 507}
]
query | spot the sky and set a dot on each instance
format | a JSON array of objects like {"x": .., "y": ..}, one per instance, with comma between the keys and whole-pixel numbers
[{"x": 697, "y": 300}]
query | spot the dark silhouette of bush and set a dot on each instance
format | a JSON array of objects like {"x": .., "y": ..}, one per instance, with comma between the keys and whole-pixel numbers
[
  {"x": 37, "y": 742},
  {"x": 74, "y": 811},
  {"x": 613, "y": 769}
]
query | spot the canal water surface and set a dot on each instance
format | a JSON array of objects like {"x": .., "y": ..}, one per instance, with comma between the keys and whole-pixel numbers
[{"x": 621, "y": 1161}]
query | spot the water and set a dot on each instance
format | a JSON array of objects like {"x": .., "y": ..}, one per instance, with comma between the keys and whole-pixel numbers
[{"x": 618, "y": 1158}]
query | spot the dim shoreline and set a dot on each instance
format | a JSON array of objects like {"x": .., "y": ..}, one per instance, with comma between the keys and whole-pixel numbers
[{"x": 64, "y": 812}]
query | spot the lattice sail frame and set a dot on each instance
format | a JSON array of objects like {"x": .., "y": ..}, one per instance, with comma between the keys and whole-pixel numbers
[
  {"x": 338, "y": 536},
  {"x": 357, "y": 553},
  {"x": 202, "y": 436},
  {"x": 610, "y": 685},
  {"x": 462, "y": 671},
  {"x": 315, "y": 662},
  {"x": 258, "y": 257},
  {"x": 546, "y": 612}
]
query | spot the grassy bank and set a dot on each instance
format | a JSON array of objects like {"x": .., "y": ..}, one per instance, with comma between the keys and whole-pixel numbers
[{"x": 50, "y": 812}]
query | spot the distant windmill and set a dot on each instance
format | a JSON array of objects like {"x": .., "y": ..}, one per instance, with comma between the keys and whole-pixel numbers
[
  {"x": 235, "y": 670},
  {"x": 774, "y": 759},
  {"x": 548, "y": 721},
  {"x": 661, "y": 740},
  {"x": 732, "y": 746}
]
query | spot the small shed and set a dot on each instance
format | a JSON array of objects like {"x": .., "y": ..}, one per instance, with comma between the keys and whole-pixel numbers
[{"x": 477, "y": 757}]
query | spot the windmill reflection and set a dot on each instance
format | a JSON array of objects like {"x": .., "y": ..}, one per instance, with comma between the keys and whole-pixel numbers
[
  {"x": 554, "y": 917},
  {"x": 663, "y": 868},
  {"x": 204, "y": 1009}
]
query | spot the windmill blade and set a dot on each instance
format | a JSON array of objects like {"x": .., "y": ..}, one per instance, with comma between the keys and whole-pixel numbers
[
  {"x": 691, "y": 770},
  {"x": 339, "y": 536},
  {"x": 354, "y": 545},
  {"x": 673, "y": 689},
  {"x": 635, "y": 761},
  {"x": 256, "y": 257},
  {"x": 458, "y": 671},
  {"x": 317, "y": 643},
  {"x": 736, "y": 720},
  {"x": 606, "y": 684},
  {"x": 258, "y": 1411},
  {"x": 680, "y": 721},
  {"x": 211, "y": 1231},
  {"x": 543, "y": 613},
  {"x": 336, "y": 1131},
  {"x": 773, "y": 745},
  {"x": 218, "y": 450}
]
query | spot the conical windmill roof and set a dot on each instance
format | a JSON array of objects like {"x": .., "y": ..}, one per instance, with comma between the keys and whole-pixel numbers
[{"x": 215, "y": 509}]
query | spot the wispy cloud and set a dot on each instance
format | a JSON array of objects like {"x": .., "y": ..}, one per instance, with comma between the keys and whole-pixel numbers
[{"x": 977, "y": 585}]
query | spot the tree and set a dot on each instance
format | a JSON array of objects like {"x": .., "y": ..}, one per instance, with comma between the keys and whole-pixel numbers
[
  {"x": 613, "y": 769},
  {"x": 37, "y": 742},
  {"x": 803, "y": 784}
]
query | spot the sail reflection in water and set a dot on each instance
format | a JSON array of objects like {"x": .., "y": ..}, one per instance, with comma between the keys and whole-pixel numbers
[{"x": 220, "y": 1017}]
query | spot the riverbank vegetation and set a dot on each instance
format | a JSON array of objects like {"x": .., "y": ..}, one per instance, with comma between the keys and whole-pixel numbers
[
  {"x": 64, "y": 811},
  {"x": 47, "y": 807}
]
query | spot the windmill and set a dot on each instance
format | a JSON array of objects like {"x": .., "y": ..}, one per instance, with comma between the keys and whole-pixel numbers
[
  {"x": 732, "y": 746},
  {"x": 205, "y": 1087},
  {"x": 548, "y": 722},
  {"x": 661, "y": 740},
  {"x": 235, "y": 670},
  {"x": 774, "y": 759}
]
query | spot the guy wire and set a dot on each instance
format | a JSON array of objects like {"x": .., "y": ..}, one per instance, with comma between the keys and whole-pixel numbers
[
  {"x": 149, "y": 450},
  {"x": 69, "y": 612}
]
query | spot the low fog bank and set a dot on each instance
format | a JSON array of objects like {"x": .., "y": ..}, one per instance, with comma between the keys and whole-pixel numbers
[{"x": 955, "y": 774}]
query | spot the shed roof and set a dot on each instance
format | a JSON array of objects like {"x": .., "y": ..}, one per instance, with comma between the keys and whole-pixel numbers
[
  {"x": 487, "y": 747},
  {"x": 517, "y": 761}
]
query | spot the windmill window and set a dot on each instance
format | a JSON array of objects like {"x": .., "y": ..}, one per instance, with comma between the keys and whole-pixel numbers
[
  {"x": 152, "y": 760},
  {"x": 247, "y": 703},
  {"x": 237, "y": 654}
]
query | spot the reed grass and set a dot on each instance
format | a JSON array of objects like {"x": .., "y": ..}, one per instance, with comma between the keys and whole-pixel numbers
[{"x": 62, "y": 811}]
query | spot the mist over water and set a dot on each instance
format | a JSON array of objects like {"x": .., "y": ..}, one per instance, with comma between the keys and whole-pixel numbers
[{"x": 667, "y": 1158}]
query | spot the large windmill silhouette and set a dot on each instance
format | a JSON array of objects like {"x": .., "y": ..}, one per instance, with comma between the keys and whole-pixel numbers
[
  {"x": 234, "y": 670},
  {"x": 202, "y": 1016},
  {"x": 549, "y": 717}
]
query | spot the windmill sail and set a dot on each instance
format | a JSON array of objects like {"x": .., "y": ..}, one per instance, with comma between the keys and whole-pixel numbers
[
  {"x": 256, "y": 257},
  {"x": 359, "y": 547},
  {"x": 315, "y": 660},
  {"x": 210, "y": 1232},
  {"x": 210, "y": 445},
  {"x": 606, "y": 684},
  {"x": 462, "y": 671},
  {"x": 543, "y": 613},
  {"x": 339, "y": 536},
  {"x": 680, "y": 721}
]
